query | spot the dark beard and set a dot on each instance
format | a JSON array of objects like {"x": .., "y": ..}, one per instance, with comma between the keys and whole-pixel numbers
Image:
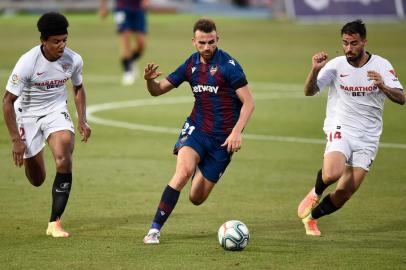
[{"x": 354, "y": 58}]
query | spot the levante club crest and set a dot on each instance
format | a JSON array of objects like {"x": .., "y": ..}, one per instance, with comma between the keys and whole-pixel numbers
[{"x": 213, "y": 70}]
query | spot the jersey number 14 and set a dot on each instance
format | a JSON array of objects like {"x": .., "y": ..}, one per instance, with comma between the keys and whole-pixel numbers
[{"x": 335, "y": 136}]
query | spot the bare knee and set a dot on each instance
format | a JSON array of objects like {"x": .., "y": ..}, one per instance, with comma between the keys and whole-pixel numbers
[
  {"x": 331, "y": 176},
  {"x": 196, "y": 200},
  {"x": 141, "y": 48},
  {"x": 184, "y": 174},
  {"x": 63, "y": 163},
  {"x": 140, "y": 45},
  {"x": 180, "y": 179}
]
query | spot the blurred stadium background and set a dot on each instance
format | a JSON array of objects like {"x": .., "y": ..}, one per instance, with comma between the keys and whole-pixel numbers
[
  {"x": 119, "y": 175},
  {"x": 299, "y": 9}
]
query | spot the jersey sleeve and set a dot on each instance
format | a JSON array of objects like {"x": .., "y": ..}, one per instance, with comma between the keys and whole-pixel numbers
[
  {"x": 235, "y": 74},
  {"x": 389, "y": 75},
  {"x": 77, "y": 78},
  {"x": 326, "y": 75},
  {"x": 178, "y": 76},
  {"x": 20, "y": 76}
]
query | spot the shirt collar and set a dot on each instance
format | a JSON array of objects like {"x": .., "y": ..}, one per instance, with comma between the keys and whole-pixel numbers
[{"x": 212, "y": 60}]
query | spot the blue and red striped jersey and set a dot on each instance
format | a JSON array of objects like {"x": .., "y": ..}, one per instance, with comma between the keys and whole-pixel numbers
[
  {"x": 217, "y": 106},
  {"x": 128, "y": 5}
]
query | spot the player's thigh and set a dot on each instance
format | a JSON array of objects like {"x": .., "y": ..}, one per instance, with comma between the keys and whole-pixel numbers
[
  {"x": 336, "y": 154},
  {"x": 61, "y": 143},
  {"x": 333, "y": 166},
  {"x": 59, "y": 131},
  {"x": 35, "y": 169},
  {"x": 201, "y": 188}
]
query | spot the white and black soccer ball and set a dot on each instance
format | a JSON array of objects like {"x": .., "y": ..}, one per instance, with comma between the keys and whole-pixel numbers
[{"x": 233, "y": 235}]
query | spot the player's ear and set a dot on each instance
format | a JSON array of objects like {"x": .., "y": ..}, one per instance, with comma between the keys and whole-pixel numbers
[{"x": 43, "y": 39}]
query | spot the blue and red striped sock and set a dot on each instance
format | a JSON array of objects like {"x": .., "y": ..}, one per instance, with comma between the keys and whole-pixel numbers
[{"x": 168, "y": 202}]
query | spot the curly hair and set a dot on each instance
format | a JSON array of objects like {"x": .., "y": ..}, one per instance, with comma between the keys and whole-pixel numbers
[{"x": 52, "y": 24}]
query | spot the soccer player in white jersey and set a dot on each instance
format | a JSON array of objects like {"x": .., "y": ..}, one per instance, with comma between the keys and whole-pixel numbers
[
  {"x": 35, "y": 110},
  {"x": 358, "y": 84}
]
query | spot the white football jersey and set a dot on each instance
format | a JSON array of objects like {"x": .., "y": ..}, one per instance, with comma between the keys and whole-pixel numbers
[
  {"x": 354, "y": 102},
  {"x": 40, "y": 84}
]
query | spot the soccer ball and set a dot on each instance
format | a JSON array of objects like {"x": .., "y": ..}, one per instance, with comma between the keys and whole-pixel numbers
[{"x": 233, "y": 235}]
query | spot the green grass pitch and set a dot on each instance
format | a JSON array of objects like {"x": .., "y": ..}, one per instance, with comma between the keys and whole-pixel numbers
[{"x": 120, "y": 174}]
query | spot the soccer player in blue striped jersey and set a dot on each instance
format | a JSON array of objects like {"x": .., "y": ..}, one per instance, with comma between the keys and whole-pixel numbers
[
  {"x": 131, "y": 20},
  {"x": 212, "y": 132}
]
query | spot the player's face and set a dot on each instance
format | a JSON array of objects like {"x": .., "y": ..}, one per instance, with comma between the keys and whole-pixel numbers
[
  {"x": 353, "y": 46},
  {"x": 54, "y": 46},
  {"x": 206, "y": 44}
]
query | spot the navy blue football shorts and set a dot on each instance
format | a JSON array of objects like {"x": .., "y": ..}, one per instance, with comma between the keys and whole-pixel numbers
[
  {"x": 131, "y": 20},
  {"x": 214, "y": 158}
]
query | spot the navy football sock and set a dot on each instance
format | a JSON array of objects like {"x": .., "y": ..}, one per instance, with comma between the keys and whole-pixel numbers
[
  {"x": 126, "y": 63},
  {"x": 135, "y": 56},
  {"x": 60, "y": 194},
  {"x": 169, "y": 199}
]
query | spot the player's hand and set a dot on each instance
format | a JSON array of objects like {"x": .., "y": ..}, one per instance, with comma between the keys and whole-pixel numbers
[
  {"x": 19, "y": 148},
  {"x": 233, "y": 142},
  {"x": 319, "y": 60},
  {"x": 144, "y": 4},
  {"x": 103, "y": 12},
  {"x": 150, "y": 71},
  {"x": 85, "y": 130},
  {"x": 376, "y": 78}
]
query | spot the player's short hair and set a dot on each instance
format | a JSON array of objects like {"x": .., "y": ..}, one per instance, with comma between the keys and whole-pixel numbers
[
  {"x": 355, "y": 27},
  {"x": 204, "y": 25},
  {"x": 52, "y": 24}
]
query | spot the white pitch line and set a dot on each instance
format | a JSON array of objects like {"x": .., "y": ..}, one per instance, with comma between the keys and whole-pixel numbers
[
  {"x": 287, "y": 93},
  {"x": 187, "y": 99},
  {"x": 100, "y": 79}
]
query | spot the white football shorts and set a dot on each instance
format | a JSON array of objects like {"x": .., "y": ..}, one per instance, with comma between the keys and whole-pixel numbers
[
  {"x": 358, "y": 150},
  {"x": 34, "y": 131}
]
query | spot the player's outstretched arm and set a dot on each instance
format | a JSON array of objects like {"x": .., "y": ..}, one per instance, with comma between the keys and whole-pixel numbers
[
  {"x": 234, "y": 140},
  {"x": 394, "y": 94},
  {"x": 80, "y": 103},
  {"x": 18, "y": 144},
  {"x": 318, "y": 62},
  {"x": 156, "y": 88}
]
